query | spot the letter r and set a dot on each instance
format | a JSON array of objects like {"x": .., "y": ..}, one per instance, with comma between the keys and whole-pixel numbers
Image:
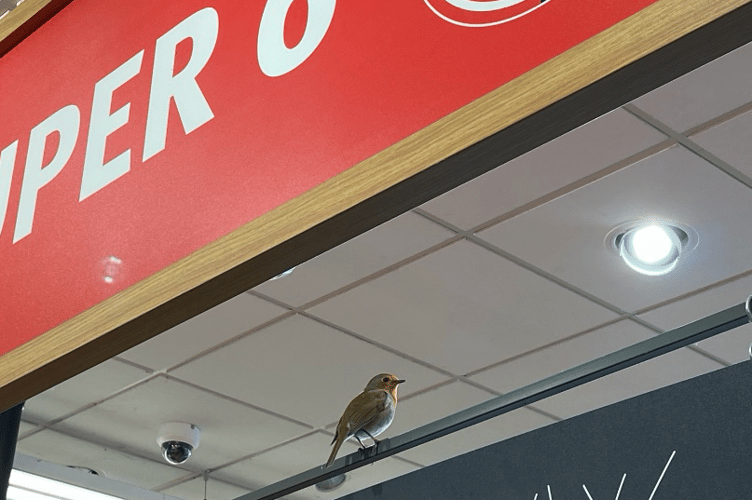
[{"x": 202, "y": 27}]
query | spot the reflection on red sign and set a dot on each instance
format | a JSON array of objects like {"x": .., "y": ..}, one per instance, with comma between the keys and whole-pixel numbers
[{"x": 134, "y": 133}]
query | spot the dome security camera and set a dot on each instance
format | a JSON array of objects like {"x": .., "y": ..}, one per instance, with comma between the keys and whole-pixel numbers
[{"x": 178, "y": 440}]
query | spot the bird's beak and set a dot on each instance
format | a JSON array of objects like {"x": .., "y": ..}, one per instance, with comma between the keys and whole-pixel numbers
[{"x": 398, "y": 382}]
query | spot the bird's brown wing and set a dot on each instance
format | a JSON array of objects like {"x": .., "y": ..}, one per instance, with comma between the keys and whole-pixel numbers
[{"x": 363, "y": 408}]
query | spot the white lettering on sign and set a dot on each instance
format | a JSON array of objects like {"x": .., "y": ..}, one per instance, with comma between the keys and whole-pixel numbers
[
  {"x": 64, "y": 121},
  {"x": 274, "y": 57},
  {"x": 202, "y": 27},
  {"x": 98, "y": 174},
  {"x": 7, "y": 161}
]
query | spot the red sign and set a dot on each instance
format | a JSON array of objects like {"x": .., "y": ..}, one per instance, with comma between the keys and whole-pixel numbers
[{"x": 133, "y": 133}]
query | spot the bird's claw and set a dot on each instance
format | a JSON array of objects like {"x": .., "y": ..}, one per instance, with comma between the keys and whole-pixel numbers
[{"x": 366, "y": 451}]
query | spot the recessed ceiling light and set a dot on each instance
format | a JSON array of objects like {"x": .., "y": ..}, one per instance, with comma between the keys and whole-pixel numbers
[{"x": 652, "y": 247}]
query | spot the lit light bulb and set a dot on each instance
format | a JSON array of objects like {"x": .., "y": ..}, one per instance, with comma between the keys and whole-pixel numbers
[
  {"x": 653, "y": 250},
  {"x": 651, "y": 244}
]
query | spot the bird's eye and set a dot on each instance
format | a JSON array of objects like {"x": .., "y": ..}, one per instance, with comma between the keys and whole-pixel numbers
[{"x": 385, "y": 379}]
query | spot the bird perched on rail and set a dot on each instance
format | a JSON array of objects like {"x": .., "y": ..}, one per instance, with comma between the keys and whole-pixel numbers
[{"x": 368, "y": 414}]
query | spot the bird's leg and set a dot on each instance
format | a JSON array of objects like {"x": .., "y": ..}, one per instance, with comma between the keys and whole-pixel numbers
[
  {"x": 375, "y": 441},
  {"x": 362, "y": 446}
]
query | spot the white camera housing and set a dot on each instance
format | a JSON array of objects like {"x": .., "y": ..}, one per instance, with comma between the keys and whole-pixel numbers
[{"x": 178, "y": 440}]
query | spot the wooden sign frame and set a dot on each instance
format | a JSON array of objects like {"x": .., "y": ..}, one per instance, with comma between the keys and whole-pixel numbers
[{"x": 653, "y": 47}]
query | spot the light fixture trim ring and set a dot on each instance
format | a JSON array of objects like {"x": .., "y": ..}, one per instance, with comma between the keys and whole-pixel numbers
[{"x": 684, "y": 239}]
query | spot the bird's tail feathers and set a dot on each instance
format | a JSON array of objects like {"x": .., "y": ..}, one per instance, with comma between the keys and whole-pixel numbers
[{"x": 334, "y": 450}]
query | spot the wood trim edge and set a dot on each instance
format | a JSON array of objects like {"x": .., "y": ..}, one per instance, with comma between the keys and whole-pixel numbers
[{"x": 25, "y": 19}]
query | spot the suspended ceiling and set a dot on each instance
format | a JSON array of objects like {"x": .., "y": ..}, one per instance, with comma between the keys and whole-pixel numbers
[{"x": 494, "y": 285}]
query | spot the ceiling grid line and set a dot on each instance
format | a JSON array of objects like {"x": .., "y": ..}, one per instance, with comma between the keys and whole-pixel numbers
[
  {"x": 234, "y": 339},
  {"x": 381, "y": 272},
  {"x": 572, "y": 186},
  {"x": 118, "y": 447},
  {"x": 381, "y": 346},
  {"x": 712, "y": 286},
  {"x": 247, "y": 457},
  {"x": 178, "y": 481},
  {"x": 134, "y": 364},
  {"x": 52, "y": 424},
  {"x": 564, "y": 284},
  {"x": 547, "y": 346},
  {"x": 49, "y": 424},
  {"x": 622, "y": 314},
  {"x": 237, "y": 401},
  {"x": 718, "y": 120},
  {"x": 473, "y": 238},
  {"x": 453, "y": 377},
  {"x": 690, "y": 145},
  {"x": 420, "y": 392}
]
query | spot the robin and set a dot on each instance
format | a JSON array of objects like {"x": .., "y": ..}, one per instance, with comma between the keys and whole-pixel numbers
[{"x": 369, "y": 413}]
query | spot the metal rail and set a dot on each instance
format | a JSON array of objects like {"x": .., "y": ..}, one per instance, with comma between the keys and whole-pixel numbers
[{"x": 618, "y": 360}]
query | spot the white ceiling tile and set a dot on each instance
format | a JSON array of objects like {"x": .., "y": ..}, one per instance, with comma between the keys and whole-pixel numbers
[
  {"x": 698, "y": 306},
  {"x": 302, "y": 369},
  {"x": 215, "y": 490},
  {"x": 381, "y": 247},
  {"x": 703, "y": 94},
  {"x": 447, "y": 400},
  {"x": 25, "y": 429},
  {"x": 659, "y": 372},
  {"x": 732, "y": 346},
  {"x": 304, "y": 454},
  {"x": 564, "y": 160},
  {"x": 283, "y": 462},
  {"x": 88, "y": 387},
  {"x": 566, "y": 237},
  {"x": 204, "y": 331},
  {"x": 497, "y": 429},
  {"x": 229, "y": 430},
  {"x": 434, "y": 404},
  {"x": 554, "y": 359},
  {"x": 65, "y": 450},
  {"x": 730, "y": 141},
  {"x": 462, "y": 308}
]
